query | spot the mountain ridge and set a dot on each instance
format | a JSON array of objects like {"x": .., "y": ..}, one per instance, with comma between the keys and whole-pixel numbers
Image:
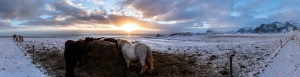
[{"x": 274, "y": 27}]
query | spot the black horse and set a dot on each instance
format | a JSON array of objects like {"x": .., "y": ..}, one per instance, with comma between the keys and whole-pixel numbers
[{"x": 73, "y": 53}]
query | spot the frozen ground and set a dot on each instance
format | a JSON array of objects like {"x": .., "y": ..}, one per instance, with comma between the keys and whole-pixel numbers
[
  {"x": 255, "y": 54},
  {"x": 13, "y": 62},
  {"x": 286, "y": 63},
  {"x": 252, "y": 52}
]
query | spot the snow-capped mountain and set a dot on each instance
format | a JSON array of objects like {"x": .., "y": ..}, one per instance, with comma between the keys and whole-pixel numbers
[
  {"x": 276, "y": 27},
  {"x": 245, "y": 30},
  {"x": 222, "y": 30}
]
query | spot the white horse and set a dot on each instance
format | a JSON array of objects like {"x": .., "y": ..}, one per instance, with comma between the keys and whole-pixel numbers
[{"x": 137, "y": 51}]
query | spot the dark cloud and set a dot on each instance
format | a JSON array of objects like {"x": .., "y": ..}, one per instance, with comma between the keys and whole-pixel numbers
[
  {"x": 170, "y": 10},
  {"x": 80, "y": 16},
  {"x": 150, "y": 7},
  {"x": 46, "y": 22},
  {"x": 65, "y": 13},
  {"x": 20, "y": 9}
]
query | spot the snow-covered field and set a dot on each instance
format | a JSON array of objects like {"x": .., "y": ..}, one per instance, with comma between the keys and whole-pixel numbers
[
  {"x": 252, "y": 52},
  {"x": 13, "y": 62},
  {"x": 255, "y": 54},
  {"x": 286, "y": 63}
]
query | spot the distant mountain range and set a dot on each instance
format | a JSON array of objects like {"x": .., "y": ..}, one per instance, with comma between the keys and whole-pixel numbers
[
  {"x": 245, "y": 30},
  {"x": 222, "y": 30},
  {"x": 275, "y": 27}
]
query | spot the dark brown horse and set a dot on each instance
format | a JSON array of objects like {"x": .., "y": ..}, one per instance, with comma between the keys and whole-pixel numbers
[
  {"x": 111, "y": 40},
  {"x": 73, "y": 53},
  {"x": 88, "y": 39}
]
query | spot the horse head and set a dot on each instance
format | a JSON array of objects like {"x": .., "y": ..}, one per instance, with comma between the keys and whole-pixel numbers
[
  {"x": 88, "y": 39},
  {"x": 14, "y": 35},
  {"x": 80, "y": 41},
  {"x": 119, "y": 43}
]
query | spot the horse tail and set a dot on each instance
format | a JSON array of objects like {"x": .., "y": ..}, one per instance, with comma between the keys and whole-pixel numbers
[{"x": 149, "y": 58}]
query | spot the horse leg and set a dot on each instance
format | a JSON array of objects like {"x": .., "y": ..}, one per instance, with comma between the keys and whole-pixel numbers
[
  {"x": 142, "y": 65},
  {"x": 67, "y": 72},
  {"x": 80, "y": 59},
  {"x": 71, "y": 69},
  {"x": 72, "y": 74},
  {"x": 127, "y": 60}
]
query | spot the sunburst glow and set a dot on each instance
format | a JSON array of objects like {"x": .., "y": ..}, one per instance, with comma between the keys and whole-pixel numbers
[{"x": 130, "y": 27}]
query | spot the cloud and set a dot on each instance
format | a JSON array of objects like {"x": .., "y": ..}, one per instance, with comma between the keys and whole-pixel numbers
[
  {"x": 185, "y": 13},
  {"x": 65, "y": 13},
  {"x": 218, "y": 14},
  {"x": 20, "y": 9},
  {"x": 165, "y": 15},
  {"x": 98, "y": 2},
  {"x": 170, "y": 10},
  {"x": 5, "y": 23}
]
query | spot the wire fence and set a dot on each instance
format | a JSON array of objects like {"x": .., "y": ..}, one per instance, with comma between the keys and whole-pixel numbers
[
  {"x": 229, "y": 73},
  {"x": 202, "y": 74}
]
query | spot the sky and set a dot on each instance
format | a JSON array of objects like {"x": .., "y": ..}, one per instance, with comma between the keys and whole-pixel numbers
[{"x": 151, "y": 16}]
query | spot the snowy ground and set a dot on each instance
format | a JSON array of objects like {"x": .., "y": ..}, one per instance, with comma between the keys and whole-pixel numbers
[
  {"x": 255, "y": 54},
  {"x": 286, "y": 63},
  {"x": 252, "y": 52},
  {"x": 13, "y": 62}
]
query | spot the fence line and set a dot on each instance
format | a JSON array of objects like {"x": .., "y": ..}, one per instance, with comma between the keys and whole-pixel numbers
[
  {"x": 276, "y": 53},
  {"x": 33, "y": 56},
  {"x": 230, "y": 65},
  {"x": 231, "y": 70}
]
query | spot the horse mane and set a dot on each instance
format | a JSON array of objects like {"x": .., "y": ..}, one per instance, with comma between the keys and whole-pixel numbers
[
  {"x": 68, "y": 42},
  {"x": 80, "y": 42},
  {"x": 134, "y": 42},
  {"x": 121, "y": 42}
]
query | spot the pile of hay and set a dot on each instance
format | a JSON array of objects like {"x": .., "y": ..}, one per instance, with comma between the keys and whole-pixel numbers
[{"x": 102, "y": 58}]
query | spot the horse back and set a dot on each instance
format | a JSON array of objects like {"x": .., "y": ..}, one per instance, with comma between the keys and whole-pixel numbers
[
  {"x": 68, "y": 42},
  {"x": 141, "y": 48}
]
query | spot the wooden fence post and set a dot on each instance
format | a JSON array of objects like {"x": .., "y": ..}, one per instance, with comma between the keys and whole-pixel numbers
[
  {"x": 33, "y": 54},
  {"x": 280, "y": 43},
  {"x": 230, "y": 65}
]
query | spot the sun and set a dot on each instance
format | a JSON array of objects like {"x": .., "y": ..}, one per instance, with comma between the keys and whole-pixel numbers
[{"x": 130, "y": 27}]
